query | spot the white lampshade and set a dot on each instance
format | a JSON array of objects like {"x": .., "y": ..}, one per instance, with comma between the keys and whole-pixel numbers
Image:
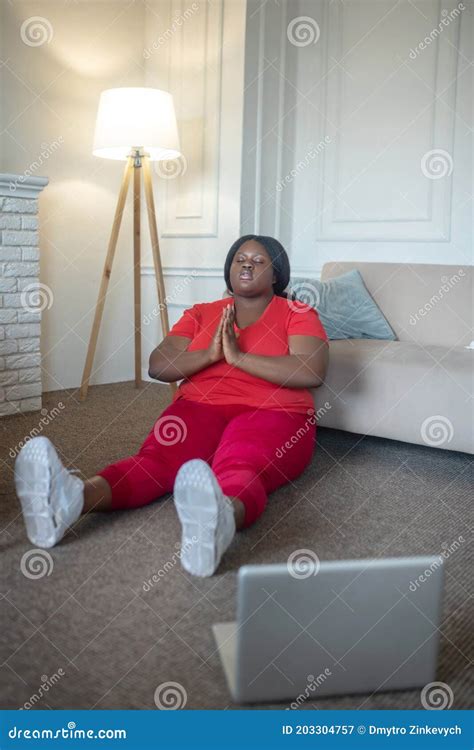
[{"x": 136, "y": 117}]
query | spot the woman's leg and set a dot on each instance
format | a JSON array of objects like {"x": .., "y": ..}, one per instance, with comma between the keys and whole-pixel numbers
[
  {"x": 251, "y": 460},
  {"x": 260, "y": 451},
  {"x": 53, "y": 498},
  {"x": 239, "y": 512},
  {"x": 184, "y": 430},
  {"x": 98, "y": 497},
  {"x": 97, "y": 494}
]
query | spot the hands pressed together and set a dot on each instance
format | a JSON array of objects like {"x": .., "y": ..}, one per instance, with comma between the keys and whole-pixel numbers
[
  {"x": 224, "y": 343},
  {"x": 304, "y": 366}
]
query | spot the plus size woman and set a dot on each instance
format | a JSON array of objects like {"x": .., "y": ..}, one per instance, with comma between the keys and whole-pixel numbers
[{"x": 246, "y": 364}]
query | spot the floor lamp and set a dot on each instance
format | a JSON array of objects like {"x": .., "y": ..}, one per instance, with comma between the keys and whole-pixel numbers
[{"x": 137, "y": 125}]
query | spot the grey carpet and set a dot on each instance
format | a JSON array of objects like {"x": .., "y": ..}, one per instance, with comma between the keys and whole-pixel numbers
[{"x": 115, "y": 643}]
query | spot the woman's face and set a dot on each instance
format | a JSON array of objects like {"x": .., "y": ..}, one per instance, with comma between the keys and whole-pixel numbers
[{"x": 251, "y": 270}]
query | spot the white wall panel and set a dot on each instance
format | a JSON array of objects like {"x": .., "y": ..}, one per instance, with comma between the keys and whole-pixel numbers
[{"x": 358, "y": 144}]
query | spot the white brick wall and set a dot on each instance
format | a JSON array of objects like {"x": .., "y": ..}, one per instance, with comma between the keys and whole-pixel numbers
[{"x": 20, "y": 359}]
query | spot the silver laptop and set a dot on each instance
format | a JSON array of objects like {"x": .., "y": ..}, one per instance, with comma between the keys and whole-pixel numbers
[{"x": 351, "y": 626}]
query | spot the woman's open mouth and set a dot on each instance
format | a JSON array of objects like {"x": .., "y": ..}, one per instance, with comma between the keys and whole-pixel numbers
[{"x": 246, "y": 275}]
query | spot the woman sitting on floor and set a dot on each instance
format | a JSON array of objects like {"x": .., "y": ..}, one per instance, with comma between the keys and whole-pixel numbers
[{"x": 246, "y": 363}]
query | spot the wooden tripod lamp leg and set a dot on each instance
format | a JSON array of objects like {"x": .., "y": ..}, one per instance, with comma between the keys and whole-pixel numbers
[
  {"x": 136, "y": 276},
  {"x": 105, "y": 279},
  {"x": 155, "y": 246}
]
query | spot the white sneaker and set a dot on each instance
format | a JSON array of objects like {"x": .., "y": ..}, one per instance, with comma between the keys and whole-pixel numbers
[
  {"x": 206, "y": 515},
  {"x": 51, "y": 497}
]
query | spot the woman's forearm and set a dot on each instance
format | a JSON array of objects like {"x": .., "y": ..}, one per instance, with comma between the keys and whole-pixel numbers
[
  {"x": 291, "y": 370},
  {"x": 169, "y": 365}
]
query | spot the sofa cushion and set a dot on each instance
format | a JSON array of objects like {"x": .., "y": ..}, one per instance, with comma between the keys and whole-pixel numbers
[
  {"x": 345, "y": 307},
  {"x": 400, "y": 390}
]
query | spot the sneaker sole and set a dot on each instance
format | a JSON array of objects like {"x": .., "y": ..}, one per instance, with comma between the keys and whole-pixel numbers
[
  {"x": 195, "y": 495},
  {"x": 33, "y": 486}
]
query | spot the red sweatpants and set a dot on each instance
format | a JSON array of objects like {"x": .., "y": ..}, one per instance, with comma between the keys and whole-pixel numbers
[{"x": 251, "y": 451}]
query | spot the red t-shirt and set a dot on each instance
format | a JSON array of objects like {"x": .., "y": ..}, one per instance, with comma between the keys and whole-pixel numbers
[{"x": 221, "y": 383}]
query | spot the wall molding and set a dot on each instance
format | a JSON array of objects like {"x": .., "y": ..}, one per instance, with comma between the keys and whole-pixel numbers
[
  {"x": 199, "y": 123},
  {"x": 218, "y": 272},
  {"x": 184, "y": 271},
  {"x": 21, "y": 185},
  {"x": 434, "y": 225},
  {"x": 274, "y": 69}
]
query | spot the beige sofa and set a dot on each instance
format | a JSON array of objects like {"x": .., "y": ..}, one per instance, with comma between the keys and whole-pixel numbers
[{"x": 417, "y": 389}]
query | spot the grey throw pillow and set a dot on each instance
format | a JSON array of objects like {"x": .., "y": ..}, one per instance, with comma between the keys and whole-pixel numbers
[{"x": 345, "y": 307}]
